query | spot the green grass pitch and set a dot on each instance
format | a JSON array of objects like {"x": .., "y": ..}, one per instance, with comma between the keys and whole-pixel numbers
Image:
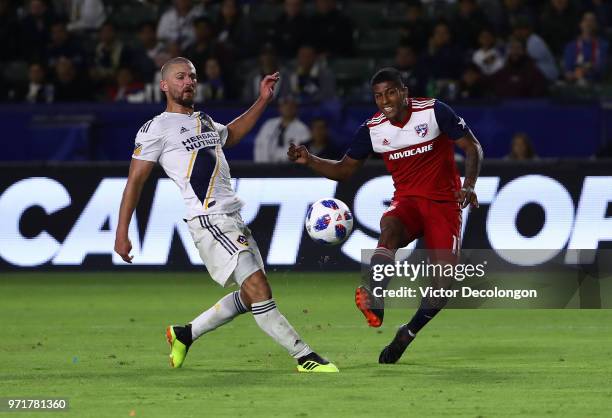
[{"x": 98, "y": 340}]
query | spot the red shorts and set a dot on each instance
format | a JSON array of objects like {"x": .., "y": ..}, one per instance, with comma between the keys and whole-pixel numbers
[{"x": 439, "y": 222}]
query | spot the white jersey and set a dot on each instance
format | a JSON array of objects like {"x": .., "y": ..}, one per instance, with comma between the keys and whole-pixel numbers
[{"x": 190, "y": 150}]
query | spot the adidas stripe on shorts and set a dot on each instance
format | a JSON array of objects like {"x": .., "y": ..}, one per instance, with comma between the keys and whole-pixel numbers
[{"x": 226, "y": 247}]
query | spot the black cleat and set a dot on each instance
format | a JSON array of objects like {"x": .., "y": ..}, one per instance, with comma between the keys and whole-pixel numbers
[
  {"x": 314, "y": 363},
  {"x": 392, "y": 353},
  {"x": 370, "y": 306},
  {"x": 312, "y": 356}
]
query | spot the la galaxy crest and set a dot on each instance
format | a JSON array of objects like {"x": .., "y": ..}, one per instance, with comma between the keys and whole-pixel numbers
[
  {"x": 243, "y": 240},
  {"x": 421, "y": 130}
]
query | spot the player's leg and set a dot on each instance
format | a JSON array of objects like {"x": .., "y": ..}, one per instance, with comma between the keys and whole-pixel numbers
[
  {"x": 442, "y": 239},
  {"x": 257, "y": 295},
  {"x": 393, "y": 235},
  {"x": 398, "y": 227},
  {"x": 216, "y": 238},
  {"x": 222, "y": 312},
  {"x": 372, "y": 307}
]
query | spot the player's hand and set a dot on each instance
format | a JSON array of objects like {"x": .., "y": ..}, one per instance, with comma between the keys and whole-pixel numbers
[
  {"x": 123, "y": 246},
  {"x": 266, "y": 86},
  {"x": 298, "y": 154},
  {"x": 466, "y": 196}
]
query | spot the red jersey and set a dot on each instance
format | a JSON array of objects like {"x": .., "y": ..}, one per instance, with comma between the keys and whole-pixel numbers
[{"x": 418, "y": 152}]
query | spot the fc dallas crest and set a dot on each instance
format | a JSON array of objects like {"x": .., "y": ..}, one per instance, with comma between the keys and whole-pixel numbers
[{"x": 421, "y": 130}]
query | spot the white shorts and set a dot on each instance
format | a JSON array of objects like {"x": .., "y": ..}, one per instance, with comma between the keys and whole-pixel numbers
[{"x": 226, "y": 247}]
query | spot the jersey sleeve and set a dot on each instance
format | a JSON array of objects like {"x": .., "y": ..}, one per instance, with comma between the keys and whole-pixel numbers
[
  {"x": 148, "y": 143},
  {"x": 361, "y": 147},
  {"x": 448, "y": 121},
  {"x": 222, "y": 130}
]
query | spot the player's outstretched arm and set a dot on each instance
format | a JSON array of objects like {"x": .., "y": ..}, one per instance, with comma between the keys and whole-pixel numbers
[
  {"x": 473, "y": 160},
  {"x": 139, "y": 172},
  {"x": 332, "y": 169},
  {"x": 239, "y": 127}
]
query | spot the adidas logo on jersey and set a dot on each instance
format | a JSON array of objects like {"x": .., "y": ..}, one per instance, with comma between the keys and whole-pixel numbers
[
  {"x": 386, "y": 141},
  {"x": 183, "y": 130}
]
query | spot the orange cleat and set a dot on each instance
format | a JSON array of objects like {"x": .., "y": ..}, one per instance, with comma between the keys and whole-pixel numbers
[{"x": 365, "y": 301}]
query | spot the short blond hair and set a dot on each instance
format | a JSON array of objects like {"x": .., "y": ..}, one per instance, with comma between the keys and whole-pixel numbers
[{"x": 171, "y": 62}]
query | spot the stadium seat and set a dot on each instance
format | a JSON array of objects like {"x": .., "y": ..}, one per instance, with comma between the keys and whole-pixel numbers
[
  {"x": 606, "y": 91},
  {"x": 395, "y": 14},
  {"x": 350, "y": 68},
  {"x": 365, "y": 15},
  {"x": 129, "y": 15},
  {"x": 351, "y": 72},
  {"x": 378, "y": 43},
  {"x": 264, "y": 13},
  {"x": 15, "y": 71}
]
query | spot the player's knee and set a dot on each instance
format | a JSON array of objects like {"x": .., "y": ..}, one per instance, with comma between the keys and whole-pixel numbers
[
  {"x": 255, "y": 289},
  {"x": 391, "y": 233}
]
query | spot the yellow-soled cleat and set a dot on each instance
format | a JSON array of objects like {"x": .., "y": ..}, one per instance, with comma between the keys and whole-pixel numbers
[
  {"x": 314, "y": 363},
  {"x": 178, "y": 350}
]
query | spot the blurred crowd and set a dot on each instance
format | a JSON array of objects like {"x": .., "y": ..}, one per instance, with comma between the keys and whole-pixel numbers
[{"x": 94, "y": 50}]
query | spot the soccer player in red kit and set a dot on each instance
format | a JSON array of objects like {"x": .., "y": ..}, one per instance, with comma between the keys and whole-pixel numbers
[{"x": 416, "y": 139}]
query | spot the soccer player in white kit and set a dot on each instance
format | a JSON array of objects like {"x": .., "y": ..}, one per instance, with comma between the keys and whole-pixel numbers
[{"x": 189, "y": 147}]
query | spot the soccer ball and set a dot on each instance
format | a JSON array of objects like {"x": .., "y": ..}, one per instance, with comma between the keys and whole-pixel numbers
[{"x": 329, "y": 221}]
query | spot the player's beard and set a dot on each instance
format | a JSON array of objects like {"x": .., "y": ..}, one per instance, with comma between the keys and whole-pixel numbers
[{"x": 184, "y": 99}]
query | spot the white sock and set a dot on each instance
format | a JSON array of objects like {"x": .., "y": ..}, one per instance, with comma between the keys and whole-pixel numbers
[
  {"x": 273, "y": 323},
  {"x": 228, "y": 307}
]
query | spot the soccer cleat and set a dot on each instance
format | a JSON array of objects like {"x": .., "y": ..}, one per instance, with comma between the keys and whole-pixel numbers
[
  {"x": 314, "y": 363},
  {"x": 365, "y": 301},
  {"x": 178, "y": 349},
  {"x": 392, "y": 353}
]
